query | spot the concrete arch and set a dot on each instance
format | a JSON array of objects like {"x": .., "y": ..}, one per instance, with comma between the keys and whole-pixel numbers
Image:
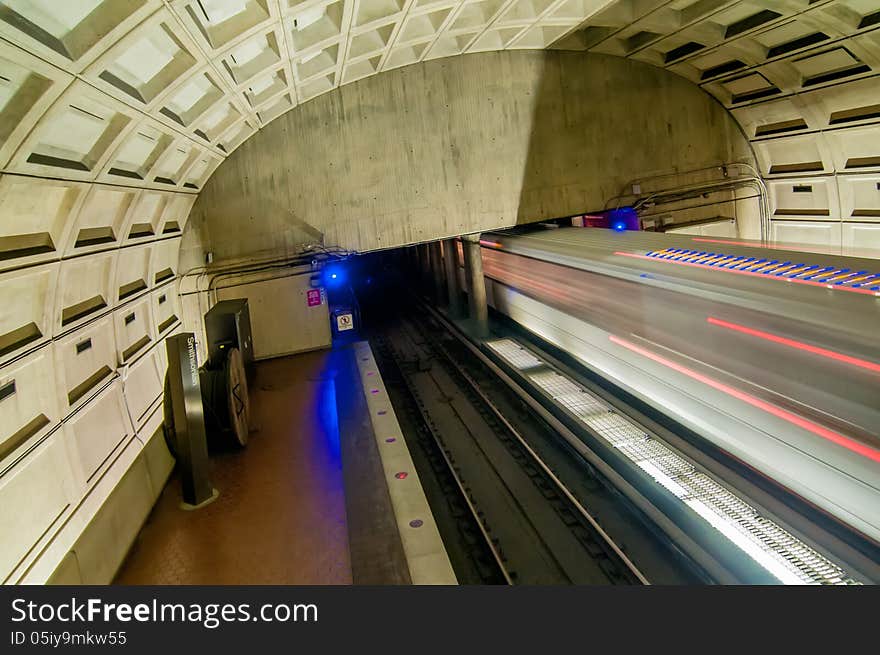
[{"x": 459, "y": 145}]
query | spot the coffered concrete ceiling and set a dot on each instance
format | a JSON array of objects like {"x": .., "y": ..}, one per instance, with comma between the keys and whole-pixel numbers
[{"x": 154, "y": 94}]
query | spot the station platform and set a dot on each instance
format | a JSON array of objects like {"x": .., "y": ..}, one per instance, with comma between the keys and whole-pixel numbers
[{"x": 324, "y": 492}]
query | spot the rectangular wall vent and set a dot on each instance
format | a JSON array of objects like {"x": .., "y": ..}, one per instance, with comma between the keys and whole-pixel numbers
[
  {"x": 19, "y": 338},
  {"x": 852, "y": 115},
  {"x": 863, "y": 162},
  {"x": 837, "y": 75},
  {"x": 131, "y": 288},
  {"x": 640, "y": 39},
  {"x": 804, "y": 167},
  {"x": 132, "y": 350},
  {"x": 870, "y": 20},
  {"x": 797, "y": 44},
  {"x": 802, "y": 212},
  {"x": 88, "y": 384},
  {"x": 781, "y": 127},
  {"x": 123, "y": 173},
  {"x": 122, "y": 85},
  {"x": 683, "y": 51},
  {"x": 92, "y": 236},
  {"x": 7, "y": 390},
  {"x": 24, "y": 245},
  {"x": 722, "y": 69},
  {"x": 23, "y": 435},
  {"x": 755, "y": 95},
  {"x": 58, "y": 162},
  {"x": 167, "y": 323},
  {"x": 140, "y": 230},
  {"x": 81, "y": 309},
  {"x": 170, "y": 114}
]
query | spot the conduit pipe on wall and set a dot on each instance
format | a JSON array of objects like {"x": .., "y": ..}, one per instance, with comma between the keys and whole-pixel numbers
[
  {"x": 743, "y": 182},
  {"x": 201, "y": 273},
  {"x": 753, "y": 180},
  {"x": 202, "y": 283},
  {"x": 641, "y": 181}
]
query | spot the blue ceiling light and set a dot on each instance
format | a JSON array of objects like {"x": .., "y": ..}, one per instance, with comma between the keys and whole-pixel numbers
[
  {"x": 334, "y": 275},
  {"x": 623, "y": 219}
]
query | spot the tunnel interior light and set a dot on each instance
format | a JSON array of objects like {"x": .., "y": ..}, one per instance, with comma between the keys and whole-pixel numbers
[
  {"x": 334, "y": 275},
  {"x": 623, "y": 219},
  {"x": 764, "y": 541}
]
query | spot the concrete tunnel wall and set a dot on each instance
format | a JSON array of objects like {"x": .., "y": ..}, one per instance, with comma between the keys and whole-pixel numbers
[{"x": 453, "y": 146}]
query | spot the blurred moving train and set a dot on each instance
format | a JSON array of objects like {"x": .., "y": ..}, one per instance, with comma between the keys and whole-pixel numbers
[{"x": 771, "y": 355}]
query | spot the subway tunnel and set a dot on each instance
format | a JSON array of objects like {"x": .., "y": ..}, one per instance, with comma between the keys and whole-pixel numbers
[{"x": 614, "y": 263}]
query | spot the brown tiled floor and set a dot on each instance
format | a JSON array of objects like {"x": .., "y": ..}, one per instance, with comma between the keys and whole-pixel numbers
[{"x": 280, "y": 517}]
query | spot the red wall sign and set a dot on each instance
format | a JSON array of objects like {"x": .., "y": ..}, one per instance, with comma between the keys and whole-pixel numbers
[{"x": 314, "y": 297}]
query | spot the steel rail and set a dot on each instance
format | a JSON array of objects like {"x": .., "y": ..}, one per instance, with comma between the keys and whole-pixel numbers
[
  {"x": 608, "y": 550},
  {"x": 606, "y": 538},
  {"x": 462, "y": 487}
]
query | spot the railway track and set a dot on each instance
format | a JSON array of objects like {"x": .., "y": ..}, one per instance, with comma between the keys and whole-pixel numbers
[{"x": 521, "y": 499}]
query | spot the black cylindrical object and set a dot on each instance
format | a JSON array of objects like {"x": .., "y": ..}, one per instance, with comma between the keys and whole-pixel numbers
[{"x": 225, "y": 399}]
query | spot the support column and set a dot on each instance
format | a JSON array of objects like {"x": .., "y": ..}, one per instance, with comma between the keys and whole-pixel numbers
[
  {"x": 412, "y": 260},
  {"x": 424, "y": 268},
  {"x": 437, "y": 271},
  {"x": 473, "y": 266},
  {"x": 453, "y": 293}
]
